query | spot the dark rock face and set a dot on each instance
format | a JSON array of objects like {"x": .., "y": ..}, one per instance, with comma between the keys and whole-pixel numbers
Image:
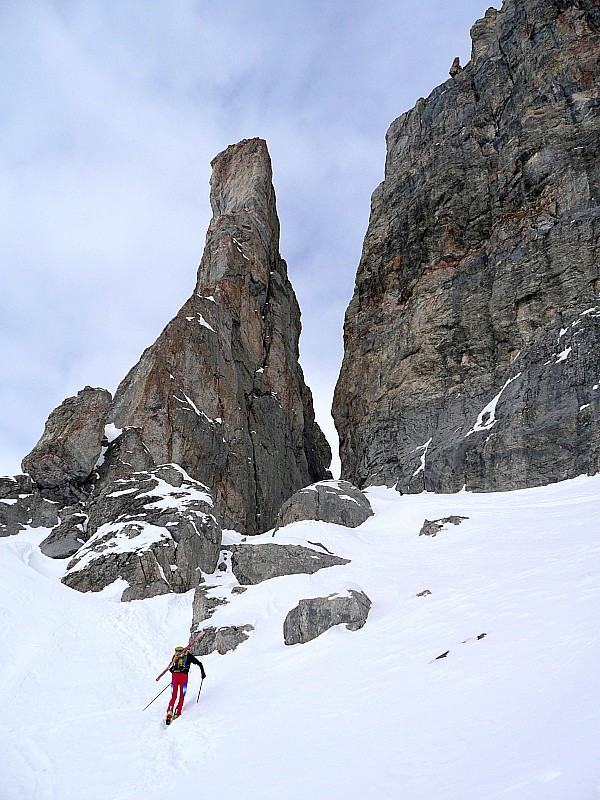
[
  {"x": 71, "y": 443},
  {"x": 312, "y": 617},
  {"x": 254, "y": 563},
  {"x": 221, "y": 392},
  {"x": 154, "y": 530},
  {"x": 328, "y": 501},
  {"x": 472, "y": 341},
  {"x": 124, "y": 455}
]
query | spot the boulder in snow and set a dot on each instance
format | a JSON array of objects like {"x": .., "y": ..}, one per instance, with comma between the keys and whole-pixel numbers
[
  {"x": 313, "y": 616},
  {"x": 338, "y": 502},
  {"x": 254, "y": 563},
  {"x": 68, "y": 536},
  {"x": 431, "y": 527},
  {"x": 222, "y": 640}
]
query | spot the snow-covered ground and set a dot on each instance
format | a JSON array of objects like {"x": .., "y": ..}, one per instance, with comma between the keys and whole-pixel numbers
[{"x": 514, "y": 715}]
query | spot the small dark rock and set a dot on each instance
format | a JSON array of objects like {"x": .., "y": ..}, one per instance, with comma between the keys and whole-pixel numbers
[
  {"x": 431, "y": 527},
  {"x": 318, "y": 544}
]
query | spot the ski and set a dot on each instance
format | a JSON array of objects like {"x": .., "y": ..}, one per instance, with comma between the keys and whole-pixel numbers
[{"x": 185, "y": 650}]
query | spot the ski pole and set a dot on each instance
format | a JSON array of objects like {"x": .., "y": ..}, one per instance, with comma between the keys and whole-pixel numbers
[
  {"x": 200, "y": 689},
  {"x": 157, "y": 696}
]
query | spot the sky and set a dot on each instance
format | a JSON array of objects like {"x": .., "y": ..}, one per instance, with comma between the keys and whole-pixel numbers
[{"x": 111, "y": 113}]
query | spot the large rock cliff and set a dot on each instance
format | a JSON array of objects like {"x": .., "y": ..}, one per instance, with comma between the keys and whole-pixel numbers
[{"x": 472, "y": 340}]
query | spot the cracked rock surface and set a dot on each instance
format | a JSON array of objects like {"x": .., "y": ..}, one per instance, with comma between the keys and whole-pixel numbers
[{"x": 472, "y": 340}]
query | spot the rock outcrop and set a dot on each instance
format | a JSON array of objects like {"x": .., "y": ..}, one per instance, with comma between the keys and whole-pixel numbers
[
  {"x": 155, "y": 531},
  {"x": 315, "y": 615},
  {"x": 20, "y": 510},
  {"x": 338, "y": 502},
  {"x": 204, "y": 605},
  {"x": 221, "y": 640},
  {"x": 472, "y": 339},
  {"x": 70, "y": 445},
  {"x": 254, "y": 563},
  {"x": 221, "y": 391}
]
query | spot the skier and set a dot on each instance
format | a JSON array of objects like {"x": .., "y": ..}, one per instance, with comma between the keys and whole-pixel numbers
[{"x": 180, "y": 666}]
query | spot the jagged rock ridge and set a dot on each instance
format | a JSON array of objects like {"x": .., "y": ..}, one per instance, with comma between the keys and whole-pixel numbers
[{"x": 472, "y": 339}]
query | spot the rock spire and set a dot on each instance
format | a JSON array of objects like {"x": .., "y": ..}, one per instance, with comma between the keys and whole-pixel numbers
[
  {"x": 220, "y": 395},
  {"x": 221, "y": 392}
]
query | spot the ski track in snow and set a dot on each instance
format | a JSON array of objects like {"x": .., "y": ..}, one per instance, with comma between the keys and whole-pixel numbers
[{"x": 367, "y": 714}]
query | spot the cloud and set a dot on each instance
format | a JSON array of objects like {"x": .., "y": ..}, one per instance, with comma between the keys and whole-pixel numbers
[{"x": 112, "y": 112}]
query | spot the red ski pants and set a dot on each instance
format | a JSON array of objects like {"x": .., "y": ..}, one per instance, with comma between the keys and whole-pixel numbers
[{"x": 178, "y": 685}]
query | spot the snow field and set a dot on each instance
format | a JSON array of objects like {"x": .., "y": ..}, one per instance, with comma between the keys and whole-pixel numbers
[{"x": 368, "y": 714}]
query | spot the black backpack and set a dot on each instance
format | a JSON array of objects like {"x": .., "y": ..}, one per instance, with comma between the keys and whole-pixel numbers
[{"x": 180, "y": 662}]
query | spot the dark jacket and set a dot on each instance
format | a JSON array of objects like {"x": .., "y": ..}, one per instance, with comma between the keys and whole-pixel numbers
[{"x": 184, "y": 662}]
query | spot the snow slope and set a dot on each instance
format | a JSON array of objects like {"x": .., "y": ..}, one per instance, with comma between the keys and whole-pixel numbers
[{"x": 513, "y": 715}]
